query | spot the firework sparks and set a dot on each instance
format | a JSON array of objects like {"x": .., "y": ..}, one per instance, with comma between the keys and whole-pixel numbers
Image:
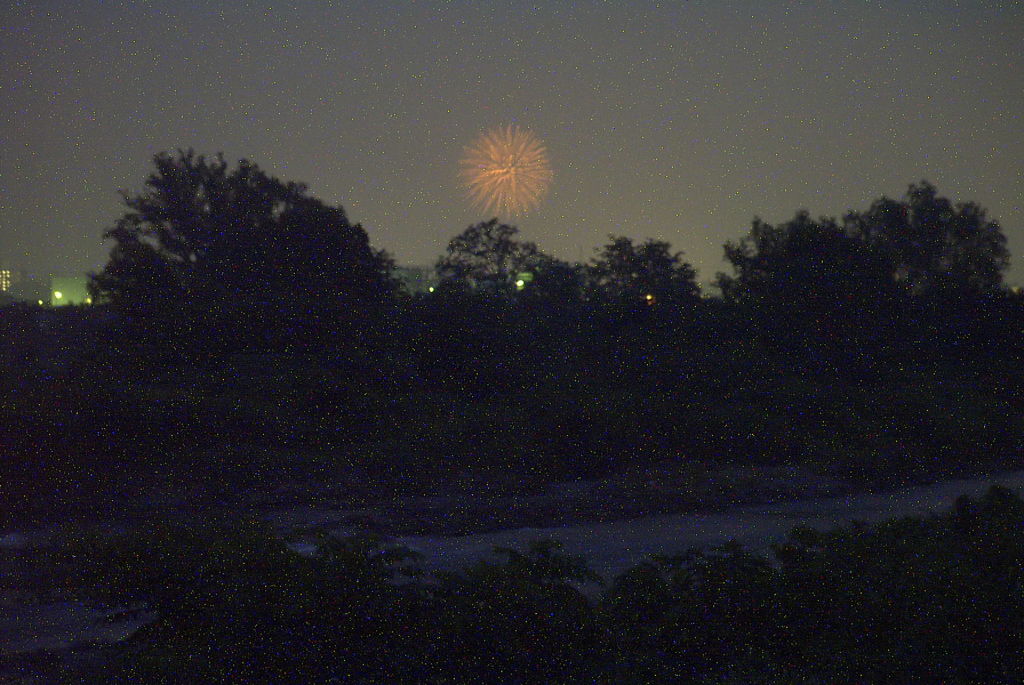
[{"x": 506, "y": 170}]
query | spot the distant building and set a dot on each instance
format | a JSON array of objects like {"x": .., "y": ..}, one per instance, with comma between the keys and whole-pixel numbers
[
  {"x": 10, "y": 278},
  {"x": 416, "y": 279},
  {"x": 68, "y": 290},
  {"x": 17, "y": 285}
]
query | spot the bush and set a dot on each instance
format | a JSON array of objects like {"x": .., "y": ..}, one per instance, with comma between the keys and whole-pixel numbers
[{"x": 936, "y": 599}]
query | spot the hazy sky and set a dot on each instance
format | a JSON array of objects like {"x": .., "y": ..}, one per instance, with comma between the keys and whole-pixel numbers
[{"x": 677, "y": 120}]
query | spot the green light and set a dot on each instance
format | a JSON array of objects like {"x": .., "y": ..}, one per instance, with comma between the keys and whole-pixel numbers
[
  {"x": 58, "y": 294},
  {"x": 430, "y": 289},
  {"x": 520, "y": 284}
]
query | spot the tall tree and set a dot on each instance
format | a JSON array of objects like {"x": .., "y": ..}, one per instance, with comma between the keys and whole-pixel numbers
[
  {"x": 802, "y": 263},
  {"x": 487, "y": 256},
  {"x": 555, "y": 280},
  {"x": 923, "y": 244},
  {"x": 932, "y": 243},
  {"x": 239, "y": 252},
  {"x": 645, "y": 272}
]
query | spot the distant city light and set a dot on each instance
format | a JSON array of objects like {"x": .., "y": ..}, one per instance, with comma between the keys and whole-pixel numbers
[
  {"x": 430, "y": 289},
  {"x": 69, "y": 290},
  {"x": 520, "y": 284}
]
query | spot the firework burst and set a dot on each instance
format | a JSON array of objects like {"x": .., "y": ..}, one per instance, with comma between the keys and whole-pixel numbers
[{"x": 506, "y": 171}]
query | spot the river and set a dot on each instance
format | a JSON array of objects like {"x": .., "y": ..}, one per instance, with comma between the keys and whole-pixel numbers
[{"x": 611, "y": 548}]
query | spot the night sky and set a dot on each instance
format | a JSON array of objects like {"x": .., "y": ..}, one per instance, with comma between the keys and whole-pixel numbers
[{"x": 679, "y": 120}]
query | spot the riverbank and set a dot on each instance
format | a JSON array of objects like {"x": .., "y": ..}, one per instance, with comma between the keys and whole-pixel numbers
[{"x": 46, "y": 635}]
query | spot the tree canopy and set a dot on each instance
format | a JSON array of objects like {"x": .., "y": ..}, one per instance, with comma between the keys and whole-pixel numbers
[
  {"x": 920, "y": 245},
  {"x": 821, "y": 352},
  {"x": 648, "y": 271},
  {"x": 932, "y": 243},
  {"x": 488, "y": 256},
  {"x": 803, "y": 262},
  {"x": 237, "y": 244}
]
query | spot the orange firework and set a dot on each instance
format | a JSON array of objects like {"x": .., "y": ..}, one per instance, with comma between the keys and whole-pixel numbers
[{"x": 506, "y": 170}]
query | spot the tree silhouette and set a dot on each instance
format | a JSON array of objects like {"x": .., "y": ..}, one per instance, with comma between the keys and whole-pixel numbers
[
  {"x": 555, "y": 281},
  {"x": 803, "y": 262},
  {"x": 932, "y": 243},
  {"x": 648, "y": 272},
  {"x": 487, "y": 256},
  {"x": 241, "y": 251},
  {"x": 922, "y": 245}
]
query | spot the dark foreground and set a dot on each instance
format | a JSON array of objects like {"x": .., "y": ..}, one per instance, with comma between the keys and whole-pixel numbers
[{"x": 925, "y": 599}]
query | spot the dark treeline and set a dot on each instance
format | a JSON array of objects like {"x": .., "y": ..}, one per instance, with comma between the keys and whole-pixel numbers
[
  {"x": 241, "y": 314},
  {"x": 913, "y": 600}
]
